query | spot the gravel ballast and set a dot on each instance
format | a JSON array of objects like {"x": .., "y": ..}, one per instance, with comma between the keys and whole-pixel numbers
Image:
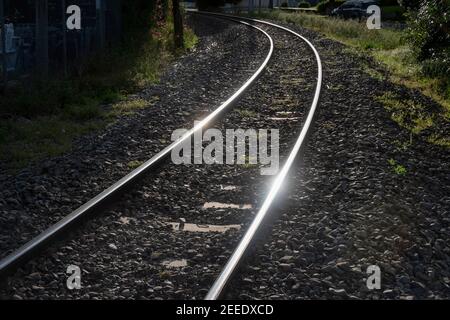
[
  {"x": 46, "y": 191},
  {"x": 347, "y": 208},
  {"x": 343, "y": 209}
]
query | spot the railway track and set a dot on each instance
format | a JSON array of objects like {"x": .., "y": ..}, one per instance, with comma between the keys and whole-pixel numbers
[{"x": 104, "y": 199}]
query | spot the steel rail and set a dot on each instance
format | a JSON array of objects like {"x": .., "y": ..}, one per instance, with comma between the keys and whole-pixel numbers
[
  {"x": 227, "y": 272},
  {"x": 11, "y": 261}
]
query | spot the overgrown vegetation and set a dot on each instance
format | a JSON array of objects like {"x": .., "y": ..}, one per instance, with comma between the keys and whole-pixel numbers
[
  {"x": 397, "y": 168},
  {"x": 134, "y": 164},
  {"x": 245, "y": 113},
  {"x": 41, "y": 118},
  {"x": 418, "y": 118},
  {"x": 395, "y": 51},
  {"x": 428, "y": 33}
]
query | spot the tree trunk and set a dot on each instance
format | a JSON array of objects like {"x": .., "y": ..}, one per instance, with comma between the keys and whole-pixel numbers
[
  {"x": 162, "y": 8},
  {"x": 177, "y": 24}
]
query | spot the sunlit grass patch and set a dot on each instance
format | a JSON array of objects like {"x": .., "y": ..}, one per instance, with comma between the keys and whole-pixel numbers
[
  {"x": 407, "y": 113},
  {"x": 128, "y": 107},
  {"x": 440, "y": 141},
  {"x": 397, "y": 168},
  {"x": 134, "y": 164},
  {"x": 190, "y": 39},
  {"x": 404, "y": 70},
  {"x": 245, "y": 113},
  {"x": 416, "y": 118},
  {"x": 348, "y": 31}
]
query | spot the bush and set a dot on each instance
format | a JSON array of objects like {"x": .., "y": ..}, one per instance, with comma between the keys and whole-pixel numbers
[
  {"x": 428, "y": 34},
  {"x": 410, "y": 4},
  {"x": 325, "y": 7},
  {"x": 304, "y": 4},
  {"x": 284, "y": 5}
]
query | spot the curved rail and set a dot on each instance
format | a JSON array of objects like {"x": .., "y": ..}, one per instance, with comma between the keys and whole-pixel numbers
[
  {"x": 223, "y": 279},
  {"x": 15, "y": 258}
]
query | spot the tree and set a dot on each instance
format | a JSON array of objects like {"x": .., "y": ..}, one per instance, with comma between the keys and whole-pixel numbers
[
  {"x": 429, "y": 35},
  {"x": 177, "y": 24}
]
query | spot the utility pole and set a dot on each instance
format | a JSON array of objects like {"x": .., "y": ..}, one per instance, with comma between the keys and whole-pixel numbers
[{"x": 42, "y": 37}]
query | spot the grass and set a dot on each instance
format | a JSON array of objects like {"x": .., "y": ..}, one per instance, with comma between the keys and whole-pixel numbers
[
  {"x": 416, "y": 118},
  {"x": 245, "y": 113},
  {"x": 41, "y": 119},
  {"x": 388, "y": 48},
  {"x": 397, "y": 168},
  {"x": 128, "y": 107},
  {"x": 25, "y": 140},
  {"x": 247, "y": 162},
  {"x": 134, "y": 164},
  {"x": 405, "y": 71},
  {"x": 347, "y": 31},
  {"x": 407, "y": 113}
]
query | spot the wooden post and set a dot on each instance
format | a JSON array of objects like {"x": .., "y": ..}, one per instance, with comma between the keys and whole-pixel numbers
[
  {"x": 42, "y": 37},
  {"x": 3, "y": 40},
  {"x": 177, "y": 24}
]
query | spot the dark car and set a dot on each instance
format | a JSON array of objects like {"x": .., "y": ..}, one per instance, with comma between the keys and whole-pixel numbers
[{"x": 353, "y": 9}]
